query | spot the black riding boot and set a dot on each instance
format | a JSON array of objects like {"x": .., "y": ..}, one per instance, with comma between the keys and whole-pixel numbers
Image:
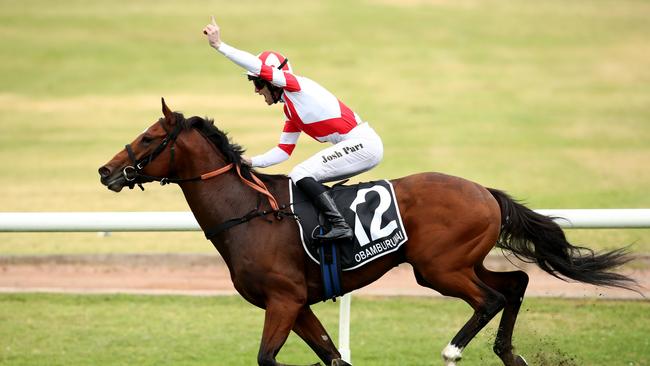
[{"x": 339, "y": 229}]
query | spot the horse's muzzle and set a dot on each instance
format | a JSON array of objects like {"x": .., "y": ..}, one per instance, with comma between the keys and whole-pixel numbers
[{"x": 114, "y": 181}]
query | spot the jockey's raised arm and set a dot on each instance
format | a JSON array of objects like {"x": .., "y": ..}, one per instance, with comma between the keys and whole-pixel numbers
[{"x": 309, "y": 108}]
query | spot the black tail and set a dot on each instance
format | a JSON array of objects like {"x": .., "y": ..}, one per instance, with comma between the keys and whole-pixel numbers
[{"x": 535, "y": 238}]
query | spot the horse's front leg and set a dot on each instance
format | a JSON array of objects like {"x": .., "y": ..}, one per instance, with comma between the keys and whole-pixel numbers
[
  {"x": 278, "y": 320},
  {"x": 310, "y": 329},
  {"x": 280, "y": 317}
]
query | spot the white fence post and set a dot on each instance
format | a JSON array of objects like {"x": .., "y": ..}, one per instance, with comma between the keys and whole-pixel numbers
[{"x": 344, "y": 328}]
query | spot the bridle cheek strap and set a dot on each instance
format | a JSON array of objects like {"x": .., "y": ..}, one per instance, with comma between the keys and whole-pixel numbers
[{"x": 129, "y": 151}]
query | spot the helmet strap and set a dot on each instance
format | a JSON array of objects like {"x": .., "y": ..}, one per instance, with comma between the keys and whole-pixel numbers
[{"x": 276, "y": 93}]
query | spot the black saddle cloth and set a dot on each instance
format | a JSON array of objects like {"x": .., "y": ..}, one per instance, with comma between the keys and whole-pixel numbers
[{"x": 371, "y": 211}]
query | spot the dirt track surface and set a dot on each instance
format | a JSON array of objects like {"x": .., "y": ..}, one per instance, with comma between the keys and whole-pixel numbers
[{"x": 207, "y": 275}]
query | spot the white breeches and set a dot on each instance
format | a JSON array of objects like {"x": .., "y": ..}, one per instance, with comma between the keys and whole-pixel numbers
[{"x": 359, "y": 152}]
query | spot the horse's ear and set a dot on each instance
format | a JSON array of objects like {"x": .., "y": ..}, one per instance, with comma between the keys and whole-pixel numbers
[{"x": 169, "y": 116}]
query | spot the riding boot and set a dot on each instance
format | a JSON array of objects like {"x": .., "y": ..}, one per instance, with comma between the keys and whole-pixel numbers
[{"x": 339, "y": 229}]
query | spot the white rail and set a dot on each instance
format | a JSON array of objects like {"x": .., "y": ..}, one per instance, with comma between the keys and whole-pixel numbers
[
  {"x": 97, "y": 221},
  {"x": 184, "y": 221},
  {"x": 600, "y": 218}
]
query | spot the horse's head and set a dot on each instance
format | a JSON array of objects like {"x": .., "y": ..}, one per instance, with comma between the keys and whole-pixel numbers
[
  {"x": 178, "y": 150},
  {"x": 148, "y": 156}
]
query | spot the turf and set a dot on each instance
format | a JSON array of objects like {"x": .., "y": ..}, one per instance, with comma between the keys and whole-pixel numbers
[
  {"x": 547, "y": 100},
  {"x": 166, "y": 330}
]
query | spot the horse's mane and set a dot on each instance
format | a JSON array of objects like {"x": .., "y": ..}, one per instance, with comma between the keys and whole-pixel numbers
[{"x": 232, "y": 152}]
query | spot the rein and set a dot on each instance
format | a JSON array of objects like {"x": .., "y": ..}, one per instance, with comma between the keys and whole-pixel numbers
[{"x": 256, "y": 184}]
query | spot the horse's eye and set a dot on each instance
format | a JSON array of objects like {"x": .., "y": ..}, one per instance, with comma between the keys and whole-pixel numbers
[{"x": 146, "y": 139}]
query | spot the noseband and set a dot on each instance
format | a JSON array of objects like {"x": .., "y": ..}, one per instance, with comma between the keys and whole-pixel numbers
[{"x": 132, "y": 172}]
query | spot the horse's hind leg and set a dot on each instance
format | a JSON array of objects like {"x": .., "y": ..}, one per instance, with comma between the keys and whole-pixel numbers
[
  {"x": 310, "y": 329},
  {"x": 466, "y": 285},
  {"x": 513, "y": 286}
]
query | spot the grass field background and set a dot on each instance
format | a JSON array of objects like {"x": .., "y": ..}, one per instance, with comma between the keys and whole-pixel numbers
[
  {"x": 547, "y": 100},
  {"x": 145, "y": 330}
]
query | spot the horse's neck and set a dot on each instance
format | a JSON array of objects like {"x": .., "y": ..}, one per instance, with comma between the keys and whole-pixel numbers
[
  {"x": 218, "y": 199},
  {"x": 221, "y": 198}
]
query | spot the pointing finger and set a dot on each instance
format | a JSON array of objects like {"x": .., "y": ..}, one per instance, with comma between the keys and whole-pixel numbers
[{"x": 213, "y": 21}]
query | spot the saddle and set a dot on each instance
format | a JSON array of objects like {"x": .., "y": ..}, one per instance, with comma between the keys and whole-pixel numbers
[{"x": 371, "y": 211}]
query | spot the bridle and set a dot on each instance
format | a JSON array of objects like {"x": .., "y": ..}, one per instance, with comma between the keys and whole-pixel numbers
[{"x": 132, "y": 173}]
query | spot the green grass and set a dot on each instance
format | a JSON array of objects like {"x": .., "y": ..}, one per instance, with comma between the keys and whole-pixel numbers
[
  {"x": 547, "y": 100},
  {"x": 166, "y": 330}
]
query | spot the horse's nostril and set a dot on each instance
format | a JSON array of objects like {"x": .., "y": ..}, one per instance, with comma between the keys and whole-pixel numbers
[{"x": 104, "y": 172}]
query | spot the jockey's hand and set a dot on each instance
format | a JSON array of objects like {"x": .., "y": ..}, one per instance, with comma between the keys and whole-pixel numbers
[
  {"x": 214, "y": 33},
  {"x": 246, "y": 160}
]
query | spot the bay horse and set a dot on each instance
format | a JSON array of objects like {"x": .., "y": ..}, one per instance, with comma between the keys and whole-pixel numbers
[{"x": 451, "y": 223}]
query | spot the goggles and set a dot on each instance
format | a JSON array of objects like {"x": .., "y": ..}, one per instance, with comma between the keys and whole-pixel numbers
[
  {"x": 257, "y": 81},
  {"x": 261, "y": 83}
]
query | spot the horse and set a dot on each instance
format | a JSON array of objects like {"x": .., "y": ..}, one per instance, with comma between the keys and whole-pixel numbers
[{"x": 452, "y": 224}]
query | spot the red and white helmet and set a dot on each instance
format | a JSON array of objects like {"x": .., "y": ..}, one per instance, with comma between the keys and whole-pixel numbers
[{"x": 274, "y": 59}]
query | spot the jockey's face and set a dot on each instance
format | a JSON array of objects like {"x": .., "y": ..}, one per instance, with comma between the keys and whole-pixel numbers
[{"x": 268, "y": 95}]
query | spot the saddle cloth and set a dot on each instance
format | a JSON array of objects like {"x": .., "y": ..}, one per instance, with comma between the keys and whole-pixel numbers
[{"x": 371, "y": 211}]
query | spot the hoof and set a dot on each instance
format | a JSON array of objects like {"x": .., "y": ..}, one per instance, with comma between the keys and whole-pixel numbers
[
  {"x": 520, "y": 361},
  {"x": 451, "y": 355},
  {"x": 339, "y": 362}
]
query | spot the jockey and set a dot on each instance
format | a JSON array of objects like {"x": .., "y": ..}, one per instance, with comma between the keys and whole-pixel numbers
[{"x": 312, "y": 109}]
